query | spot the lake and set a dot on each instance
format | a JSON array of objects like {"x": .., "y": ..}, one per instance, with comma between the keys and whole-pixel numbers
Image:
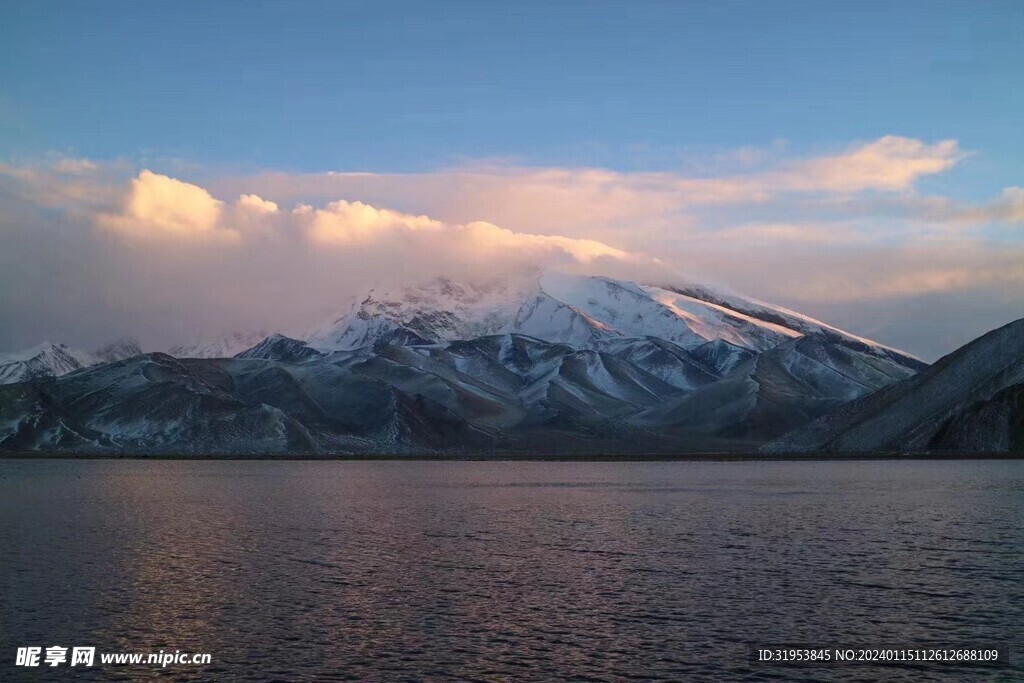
[{"x": 385, "y": 570}]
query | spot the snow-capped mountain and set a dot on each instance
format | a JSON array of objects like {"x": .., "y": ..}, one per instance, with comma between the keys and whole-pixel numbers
[
  {"x": 224, "y": 346},
  {"x": 440, "y": 310},
  {"x": 584, "y": 312},
  {"x": 280, "y": 348},
  {"x": 45, "y": 360},
  {"x": 493, "y": 393},
  {"x": 550, "y": 362},
  {"x": 53, "y": 360},
  {"x": 119, "y": 349},
  {"x": 787, "y": 318}
]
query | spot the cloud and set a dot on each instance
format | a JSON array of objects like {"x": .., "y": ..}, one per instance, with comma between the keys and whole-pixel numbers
[
  {"x": 168, "y": 259},
  {"x": 158, "y": 207},
  {"x": 890, "y": 163},
  {"x": 344, "y": 223},
  {"x": 837, "y": 272},
  {"x": 939, "y": 215},
  {"x": 72, "y": 166},
  {"x": 487, "y": 239},
  {"x": 836, "y": 233},
  {"x": 633, "y": 210},
  {"x": 65, "y": 184},
  {"x": 589, "y": 203},
  {"x": 1007, "y": 208},
  {"x": 256, "y": 205}
]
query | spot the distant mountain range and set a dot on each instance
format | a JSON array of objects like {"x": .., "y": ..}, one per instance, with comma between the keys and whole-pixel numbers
[
  {"x": 227, "y": 346},
  {"x": 552, "y": 364},
  {"x": 53, "y": 360}
]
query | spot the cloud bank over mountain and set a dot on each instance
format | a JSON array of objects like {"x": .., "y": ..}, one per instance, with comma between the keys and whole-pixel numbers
[{"x": 95, "y": 249}]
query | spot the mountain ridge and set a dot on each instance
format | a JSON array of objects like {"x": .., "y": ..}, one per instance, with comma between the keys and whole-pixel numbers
[
  {"x": 583, "y": 310},
  {"x": 932, "y": 410},
  {"x": 53, "y": 360},
  {"x": 588, "y": 361}
]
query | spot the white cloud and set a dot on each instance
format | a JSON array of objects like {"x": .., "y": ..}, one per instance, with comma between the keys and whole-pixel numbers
[
  {"x": 348, "y": 223},
  {"x": 835, "y": 233},
  {"x": 890, "y": 163},
  {"x": 158, "y": 207},
  {"x": 282, "y": 251},
  {"x": 490, "y": 241},
  {"x": 635, "y": 210},
  {"x": 72, "y": 166},
  {"x": 66, "y": 184},
  {"x": 1007, "y": 208},
  {"x": 256, "y": 204}
]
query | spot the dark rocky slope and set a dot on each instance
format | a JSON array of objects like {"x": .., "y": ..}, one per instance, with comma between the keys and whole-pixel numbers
[{"x": 969, "y": 401}]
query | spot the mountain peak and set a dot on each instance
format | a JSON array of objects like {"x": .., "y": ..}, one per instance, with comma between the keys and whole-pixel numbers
[
  {"x": 223, "y": 346},
  {"x": 119, "y": 349},
  {"x": 278, "y": 347},
  {"x": 41, "y": 361},
  {"x": 577, "y": 310}
]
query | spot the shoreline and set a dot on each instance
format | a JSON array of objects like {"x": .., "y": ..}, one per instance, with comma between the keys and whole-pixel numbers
[{"x": 527, "y": 457}]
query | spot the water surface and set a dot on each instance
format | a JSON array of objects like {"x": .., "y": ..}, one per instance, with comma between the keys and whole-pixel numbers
[{"x": 496, "y": 570}]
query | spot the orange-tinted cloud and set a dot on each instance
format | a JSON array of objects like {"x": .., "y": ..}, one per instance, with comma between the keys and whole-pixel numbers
[
  {"x": 158, "y": 207},
  {"x": 629, "y": 209},
  {"x": 890, "y": 163}
]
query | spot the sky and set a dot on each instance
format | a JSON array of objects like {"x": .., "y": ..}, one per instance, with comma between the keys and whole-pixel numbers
[{"x": 184, "y": 169}]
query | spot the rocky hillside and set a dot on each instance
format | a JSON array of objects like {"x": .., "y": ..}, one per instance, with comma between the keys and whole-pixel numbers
[{"x": 969, "y": 401}]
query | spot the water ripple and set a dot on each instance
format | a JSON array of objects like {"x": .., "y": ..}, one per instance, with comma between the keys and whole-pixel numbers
[{"x": 303, "y": 571}]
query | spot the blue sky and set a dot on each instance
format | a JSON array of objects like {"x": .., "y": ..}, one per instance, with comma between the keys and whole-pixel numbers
[
  {"x": 397, "y": 86},
  {"x": 859, "y": 161}
]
